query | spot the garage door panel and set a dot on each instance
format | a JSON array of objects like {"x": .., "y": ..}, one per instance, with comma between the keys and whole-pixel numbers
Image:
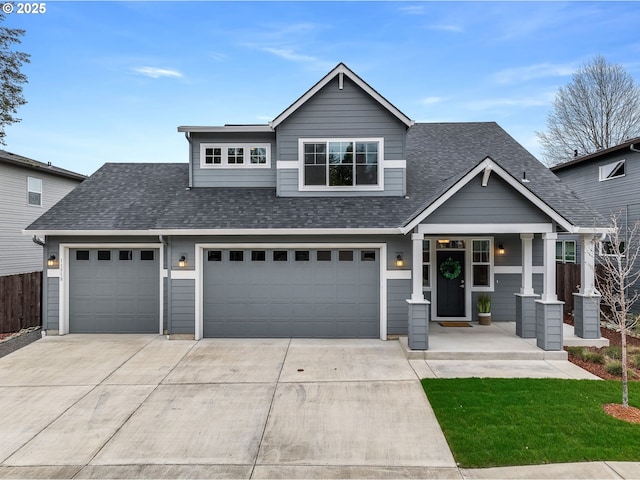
[
  {"x": 113, "y": 296},
  {"x": 291, "y": 298}
]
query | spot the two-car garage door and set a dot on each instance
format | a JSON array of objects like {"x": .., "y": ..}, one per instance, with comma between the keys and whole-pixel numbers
[{"x": 294, "y": 292}]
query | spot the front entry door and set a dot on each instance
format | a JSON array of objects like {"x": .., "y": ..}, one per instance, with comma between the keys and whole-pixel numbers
[{"x": 450, "y": 284}]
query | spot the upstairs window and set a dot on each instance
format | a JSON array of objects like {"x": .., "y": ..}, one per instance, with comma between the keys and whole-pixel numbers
[
  {"x": 225, "y": 155},
  {"x": 612, "y": 170},
  {"x": 34, "y": 191},
  {"x": 341, "y": 163}
]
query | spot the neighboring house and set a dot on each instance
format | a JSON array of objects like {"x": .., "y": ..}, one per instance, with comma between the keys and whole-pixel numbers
[
  {"x": 340, "y": 218},
  {"x": 608, "y": 180},
  {"x": 28, "y": 188}
]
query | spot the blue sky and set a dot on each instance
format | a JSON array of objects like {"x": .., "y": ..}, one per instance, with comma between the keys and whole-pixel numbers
[{"x": 111, "y": 81}]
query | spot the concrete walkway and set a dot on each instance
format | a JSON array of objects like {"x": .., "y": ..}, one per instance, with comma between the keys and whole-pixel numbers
[{"x": 140, "y": 406}]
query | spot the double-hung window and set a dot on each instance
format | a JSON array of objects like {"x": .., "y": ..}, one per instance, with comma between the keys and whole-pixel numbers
[
  {"x": 227, "y": 155},
  {"x": 34, "y": 191},
  {"x": 481, "y": 263},
  {"x": 341, "y": 163}
]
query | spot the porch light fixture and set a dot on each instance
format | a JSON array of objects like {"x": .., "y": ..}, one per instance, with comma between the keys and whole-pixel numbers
[
  {"x": 501, "y": 249},
  {"x": 182, "y": 261},
  {"x": 51, "y": 261},
  {"x": 399, "y": 260},
  {"x": 444, "y": 241}
]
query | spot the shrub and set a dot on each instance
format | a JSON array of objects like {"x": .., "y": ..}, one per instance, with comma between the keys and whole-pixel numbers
[
  {"x": 614, "y": 368},
  {"x": 593, "y": 357},
  {"x": 614, "y": 351},
  {"x": 577, "y": 352},
  {"x": 634, "y": 361}
]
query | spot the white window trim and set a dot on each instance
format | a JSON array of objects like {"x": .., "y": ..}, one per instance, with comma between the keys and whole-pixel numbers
[
  {"x": 481, "y": 288},
  {"x": 564, "y": 251},
  {"x": 247, "y": 155},
  {"x": 29, "y": 190},
  {"x": 427, "y": 288},
  {"x": 615, "y": 166},
  {"x": 602, "y": 253},
  {"x": 355, "y": 188}
]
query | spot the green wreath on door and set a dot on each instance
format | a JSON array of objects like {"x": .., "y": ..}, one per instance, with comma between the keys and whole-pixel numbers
[{"x": 450, "y": 269}]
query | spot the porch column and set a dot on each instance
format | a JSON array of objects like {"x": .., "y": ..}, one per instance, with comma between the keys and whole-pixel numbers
[
  {"x": 525, "y": 300},
  {"x": 419, "y": 308},
  {"x": 587, "y": 301},
  {"x": 548, "y": 308}
]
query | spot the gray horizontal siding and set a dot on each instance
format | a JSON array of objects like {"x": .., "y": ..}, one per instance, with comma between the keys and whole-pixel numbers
[
  {"x": 232, "y": 177},
  {"x": 18, "y": 254},
  {"x": 52, "y": 304},
  {"x": 498, "y": 202},
  {"x": 335, "y": 113},
  {"x": 182, "y": 302},
  {"x": 394, "y": 185},
  {"x": 398, "y": 291}
]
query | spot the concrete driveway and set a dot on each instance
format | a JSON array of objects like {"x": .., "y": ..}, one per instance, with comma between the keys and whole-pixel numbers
[{"x": 135, "y": 406}]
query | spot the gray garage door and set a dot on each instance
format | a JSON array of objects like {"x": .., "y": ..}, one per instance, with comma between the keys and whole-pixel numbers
[
  {"x": 292, "y": 293},
  {"x": 114, "y": 291}
]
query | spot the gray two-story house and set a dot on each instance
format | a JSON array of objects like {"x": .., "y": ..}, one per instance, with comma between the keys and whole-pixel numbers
[
  {"x": 341, "y": 218},
  {"x": 27, "y": 189},
  {"x": 608, "y": 180}
]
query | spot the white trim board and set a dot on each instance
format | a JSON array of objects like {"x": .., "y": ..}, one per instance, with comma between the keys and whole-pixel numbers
[{"x": 483, "y": 228}]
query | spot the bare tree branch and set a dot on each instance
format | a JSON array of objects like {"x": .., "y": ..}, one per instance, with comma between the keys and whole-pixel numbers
[{"x": 598, "y": 109}]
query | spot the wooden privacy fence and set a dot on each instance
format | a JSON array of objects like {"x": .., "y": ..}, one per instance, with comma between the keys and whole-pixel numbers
[
  {"x": 20, "y": 301},
  {"x": 567, "y": 283}
]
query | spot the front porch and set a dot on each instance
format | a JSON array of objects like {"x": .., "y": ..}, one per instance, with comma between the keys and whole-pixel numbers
[{"x": 497, "y": 341}]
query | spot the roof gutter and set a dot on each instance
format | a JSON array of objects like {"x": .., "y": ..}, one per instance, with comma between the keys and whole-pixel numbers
[{"x": 187, "y": 135}]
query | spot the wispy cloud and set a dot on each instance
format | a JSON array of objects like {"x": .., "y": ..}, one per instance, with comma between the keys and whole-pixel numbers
[
  {"x": 289, "y": 54},
  {"x": 412, "y": 9},
  {"x": 525, "y": 101},
  {"x": 431, "y": 100},
  {"x": 447, "y": 28},
  {"x": 531, "y": 72},
  {"x": 154, "y": 72}
]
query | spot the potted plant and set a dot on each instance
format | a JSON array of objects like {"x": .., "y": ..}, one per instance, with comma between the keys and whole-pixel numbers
[{"x": 484, "y": 309}]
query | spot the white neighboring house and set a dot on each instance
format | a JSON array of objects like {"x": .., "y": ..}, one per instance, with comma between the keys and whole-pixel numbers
[{"x": 28, "y": 188}]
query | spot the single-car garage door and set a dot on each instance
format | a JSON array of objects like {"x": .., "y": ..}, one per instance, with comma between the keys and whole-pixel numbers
[
  {"x": 114, "y": 291},
  {"x": 304, "y": 293}
]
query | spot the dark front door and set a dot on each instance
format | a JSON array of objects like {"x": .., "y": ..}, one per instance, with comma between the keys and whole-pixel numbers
[{"x": 450, "y": 284}]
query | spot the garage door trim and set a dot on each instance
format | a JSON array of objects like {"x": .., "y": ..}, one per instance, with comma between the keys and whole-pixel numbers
[
  {"x": 199, "y": 265},
  {"x": 64, "y": 281}
]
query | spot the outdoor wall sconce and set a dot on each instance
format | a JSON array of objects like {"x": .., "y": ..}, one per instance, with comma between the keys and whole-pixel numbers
[
  {"x": 500, "y": 249},
  {"x": 399, "y": 260},
  {"x": 182, "y": 261},
  {"x": 444, "y": 241},
  {"x": 51, "y": 261}
]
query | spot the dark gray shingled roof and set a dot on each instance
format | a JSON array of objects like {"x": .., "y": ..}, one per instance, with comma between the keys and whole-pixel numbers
[{"x": 154, "y": 196}]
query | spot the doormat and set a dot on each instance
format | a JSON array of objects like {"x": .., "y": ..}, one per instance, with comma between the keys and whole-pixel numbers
[{"x": 454, "y": 324}]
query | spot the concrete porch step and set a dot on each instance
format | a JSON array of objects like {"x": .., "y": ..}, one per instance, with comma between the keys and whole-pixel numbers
[{"x": 479, "y": 354}]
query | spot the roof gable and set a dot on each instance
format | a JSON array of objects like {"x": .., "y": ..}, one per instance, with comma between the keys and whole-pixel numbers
[
  {"x": 486, "y": 167},
  {"x": 339, "y": 71}
]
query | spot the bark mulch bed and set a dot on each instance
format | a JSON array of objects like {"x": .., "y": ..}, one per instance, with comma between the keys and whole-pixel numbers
[{"x": 616, "y": 410}]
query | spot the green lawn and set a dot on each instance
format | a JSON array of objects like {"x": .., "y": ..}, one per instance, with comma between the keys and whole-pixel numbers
[{"x": 498, "y": 422}]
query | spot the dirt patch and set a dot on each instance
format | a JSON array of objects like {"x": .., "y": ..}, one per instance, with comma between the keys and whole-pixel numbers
[{"x": 627, "y": 414}]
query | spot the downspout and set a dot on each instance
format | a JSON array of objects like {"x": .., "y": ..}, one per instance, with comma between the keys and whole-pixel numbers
[
  {"x": 167, "y": 255},
  {"x": 188, "y": 137},
  {"x": 37, "y": 241},
  {"x": 633, "y": 148}
]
